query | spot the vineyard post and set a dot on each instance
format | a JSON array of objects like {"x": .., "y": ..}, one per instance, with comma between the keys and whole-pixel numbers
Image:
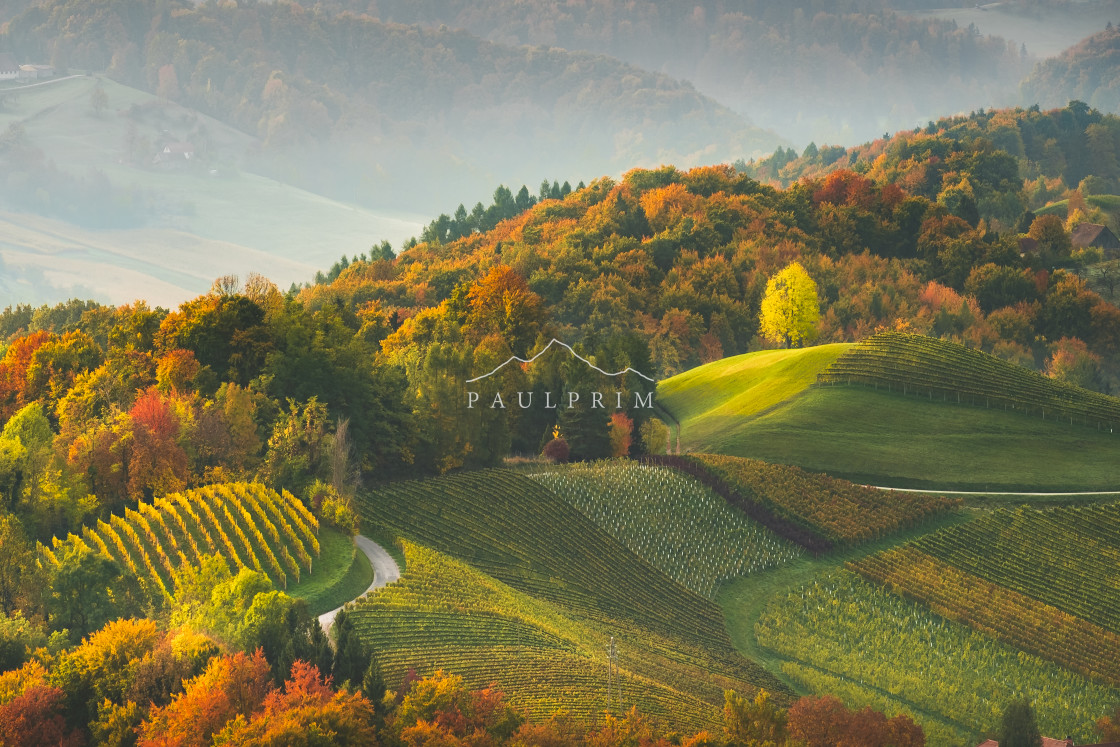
[{"x": 612, "y": 663}]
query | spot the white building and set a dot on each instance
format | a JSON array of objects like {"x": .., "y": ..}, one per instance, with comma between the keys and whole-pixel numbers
[{"x": 36, "y": 71}]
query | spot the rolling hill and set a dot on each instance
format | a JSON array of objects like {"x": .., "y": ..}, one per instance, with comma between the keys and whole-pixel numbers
[{"x": 912, "y": 439}]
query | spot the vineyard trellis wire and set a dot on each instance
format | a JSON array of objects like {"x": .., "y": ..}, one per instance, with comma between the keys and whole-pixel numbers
[{"x": 939, "y": 369}]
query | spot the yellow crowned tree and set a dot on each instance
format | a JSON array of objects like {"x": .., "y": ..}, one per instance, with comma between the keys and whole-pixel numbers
[{"x": 790, "y": 308}]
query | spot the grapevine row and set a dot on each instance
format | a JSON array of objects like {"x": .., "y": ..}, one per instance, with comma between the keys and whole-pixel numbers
[
  {"x": 444, "y": 615},
  {"x": 518, "y": 532},
  {"x": 841, "y": 511},
  {"x": 947, "y": 371},
  {"x": 1067, "y": 557},
  {"x": 853, "y": 629},
  {"x": 246, "y": 524},
  {"x": 1008, "y": 615},
  {"x": 674, "y": 523}
]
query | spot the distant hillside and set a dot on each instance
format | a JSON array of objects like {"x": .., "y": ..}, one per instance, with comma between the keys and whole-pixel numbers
[
  {"x": 1088, "y": 71},
  {"x": 812, "y": 71},
  {"x": 91, "y": 206},
  {"x": 356, "y": 108}
]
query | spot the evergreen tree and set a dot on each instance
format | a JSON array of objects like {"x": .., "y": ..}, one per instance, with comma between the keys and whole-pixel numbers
[{"x": 1019, "y": 728}]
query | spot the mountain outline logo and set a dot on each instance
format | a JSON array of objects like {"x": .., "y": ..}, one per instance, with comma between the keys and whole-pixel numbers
[{"x": 548, "y": 347}]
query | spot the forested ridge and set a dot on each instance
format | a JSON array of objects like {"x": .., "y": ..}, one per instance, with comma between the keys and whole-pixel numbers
[
  {"x": 336, "y": 97},
  {"x": 783, "y": 65}
]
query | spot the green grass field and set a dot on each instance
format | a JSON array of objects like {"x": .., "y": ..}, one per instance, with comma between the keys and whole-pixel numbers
[
  {"x": 341, "y": 573},
  {"x": 205, "y": 225},
  {"x": 711, "y": 398},
  {"x": 762, "y": 405}
]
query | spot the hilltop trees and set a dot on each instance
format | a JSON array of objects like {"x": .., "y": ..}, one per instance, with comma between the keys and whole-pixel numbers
[{"x": 790, "y": 310}]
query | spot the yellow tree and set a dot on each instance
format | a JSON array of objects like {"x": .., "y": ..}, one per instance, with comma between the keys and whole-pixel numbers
[{"x": 790, "y": 308}]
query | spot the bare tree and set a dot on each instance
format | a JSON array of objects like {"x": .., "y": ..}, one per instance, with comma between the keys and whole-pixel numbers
[
  {"x": 226, "y": 285},
  {"x": 344, "y": 473}
]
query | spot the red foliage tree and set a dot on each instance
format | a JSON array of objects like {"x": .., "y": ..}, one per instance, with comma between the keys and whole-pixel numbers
[
  {"x": 826, "y": 722},
  {"x": 157, "y": 463},
  {"x": 231, "y": 686},
  {"x": 13, "y": 371},
  {"x": 34, "y": 719}
]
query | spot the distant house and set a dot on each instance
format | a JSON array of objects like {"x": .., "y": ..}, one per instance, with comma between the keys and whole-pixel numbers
[
  {"x": 175, "y": 154},
  {"x": 9, "y": 70},
  {"x": 31, "y": 72},
  {"x": 1094, "y": 235},
  {"x": 1027, "y": 245}
]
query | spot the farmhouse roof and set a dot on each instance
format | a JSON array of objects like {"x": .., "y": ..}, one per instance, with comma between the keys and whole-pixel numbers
[
  {"x": 7, "y": 64},
  {"x": 1092, "y": 234},
  {"x": 1028, "y": 245}
]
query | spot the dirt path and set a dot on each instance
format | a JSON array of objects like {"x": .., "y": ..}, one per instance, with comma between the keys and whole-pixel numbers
[
  {"x": 385, "y": 571},
  {"x": 997, "y": 492}
]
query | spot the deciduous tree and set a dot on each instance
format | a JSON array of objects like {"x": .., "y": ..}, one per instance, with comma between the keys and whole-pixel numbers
[{"x": 790, "y": 309}]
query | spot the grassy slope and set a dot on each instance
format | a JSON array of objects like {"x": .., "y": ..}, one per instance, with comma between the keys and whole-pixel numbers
[
  {"x": 760, "y": 405},
  {"x": 709, "y": 399},
  {"x": 209, "y": 226},
  {"x": 339, "y": 574},
  {"x": 910, "y": 442}
]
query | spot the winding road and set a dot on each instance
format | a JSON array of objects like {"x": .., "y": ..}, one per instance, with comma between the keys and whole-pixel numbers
[{"x": 385, "y": 571}]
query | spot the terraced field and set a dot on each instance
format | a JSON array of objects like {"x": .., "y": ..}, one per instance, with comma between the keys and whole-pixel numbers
[
  {"x": 514, "y": 530},
  {"x": 840, "y": 632},
  {"x": 1043, "y": 580},
  {"x": 671, "y": 521},
  {"x": 445, "y": 614},
  {"x": 837, "y": 510},
  {"x": 247, "y": 524}
]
